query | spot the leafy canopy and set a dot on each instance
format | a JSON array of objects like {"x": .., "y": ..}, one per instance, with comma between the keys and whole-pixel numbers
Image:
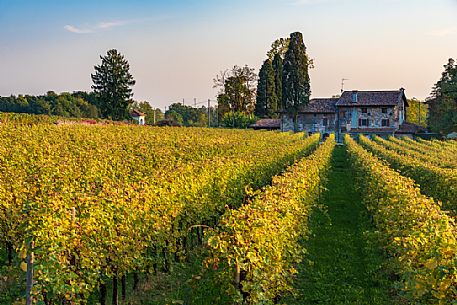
[{"x": 443, "y": 103}]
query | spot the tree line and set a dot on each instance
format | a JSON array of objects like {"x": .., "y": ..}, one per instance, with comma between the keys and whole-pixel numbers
[
  {"x": 77, "y": 104},
  {"x": 190, "y": 116}
]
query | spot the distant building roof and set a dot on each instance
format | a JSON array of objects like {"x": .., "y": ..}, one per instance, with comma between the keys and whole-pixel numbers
[
  {"x": 136, "y": 113},
  {"x": 371, "y": 98},
  {"x": 320, "y": 105},
  {"x": 267, "y": 124},
  {"x": 407, "y": 127}
]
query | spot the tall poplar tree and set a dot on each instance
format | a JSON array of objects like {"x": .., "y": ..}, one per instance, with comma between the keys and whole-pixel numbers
[
  {"x": 295, "y": 78},
  {"x": 266, "y": 100},
  {"x": 277, "y": 68},
  {"x": 112, "y": 85}
]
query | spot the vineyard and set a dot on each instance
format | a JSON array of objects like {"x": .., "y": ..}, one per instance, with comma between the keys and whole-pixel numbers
[{"x": 102, "y": 213}]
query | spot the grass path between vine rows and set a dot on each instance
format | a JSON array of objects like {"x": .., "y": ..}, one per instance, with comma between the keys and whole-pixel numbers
[{"x": 344, "y": 263}]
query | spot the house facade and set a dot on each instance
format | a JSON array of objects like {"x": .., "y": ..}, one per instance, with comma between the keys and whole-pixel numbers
[
  {"x": 318, "y": 116},
  {"x": 355, "y": 112},
  {"x": 370, "y": 112}
]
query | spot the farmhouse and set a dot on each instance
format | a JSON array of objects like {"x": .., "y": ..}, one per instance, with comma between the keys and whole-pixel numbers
[
  {"x": 355, "y": 112},
  {"x": 138, "y": 116},
  {"x": 371, "y": 112}
]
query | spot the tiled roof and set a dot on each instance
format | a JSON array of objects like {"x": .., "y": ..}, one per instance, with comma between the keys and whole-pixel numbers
[
  {"x": 371, "y": 98},
  {"x": 136, "y": 113},
  {"x": 320, "y": 105},
  {"x": 267, "y": 124}
]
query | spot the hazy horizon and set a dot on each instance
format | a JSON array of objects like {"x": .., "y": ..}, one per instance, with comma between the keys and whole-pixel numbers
[{"x": 176, "y": 48}]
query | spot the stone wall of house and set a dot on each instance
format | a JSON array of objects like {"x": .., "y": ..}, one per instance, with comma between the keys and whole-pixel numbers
[
  {"x": 349, "y": 117},
  {"x": 287, "y": 123},
  {"x": 310, "y": 122},
  {"x": 314, "y": 122}
]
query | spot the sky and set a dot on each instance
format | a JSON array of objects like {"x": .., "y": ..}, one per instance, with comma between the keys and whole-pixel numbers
[{"x": 175, "y": 48}]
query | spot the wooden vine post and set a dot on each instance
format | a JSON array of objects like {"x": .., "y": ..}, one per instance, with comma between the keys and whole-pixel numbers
[
  {"x": 29, "y": 275},
  {"x": 237, "y": 276}
]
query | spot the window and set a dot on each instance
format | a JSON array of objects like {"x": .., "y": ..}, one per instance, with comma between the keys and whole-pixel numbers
[
  {"x": 363, "y": 122},
  {"x": 384, "y": 110},
  {"x": 385, "y": 122},
  {"x": 364, "y": 110},
  {"x": 325, "y": 122}
]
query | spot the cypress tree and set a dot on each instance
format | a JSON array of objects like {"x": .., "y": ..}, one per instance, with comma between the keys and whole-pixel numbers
[
  {"x": 266, "y": 101},
  {"x": 295, "y": 81},
  {"x": 112, "y": 85},
  {"x": 277, "y": 67},
  {"x": 261, "y": 97}
]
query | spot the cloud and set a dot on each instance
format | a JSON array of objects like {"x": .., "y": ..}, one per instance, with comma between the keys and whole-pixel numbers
[
  {"x": 95, "y": 28},
  {"x": 73, "y": 29},
  {"x": 442, "y": 32},
  {"x": 111, "y": 24}
]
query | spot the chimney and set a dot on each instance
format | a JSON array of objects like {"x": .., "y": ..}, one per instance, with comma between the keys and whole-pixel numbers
[{"x": 354, "y": 96}]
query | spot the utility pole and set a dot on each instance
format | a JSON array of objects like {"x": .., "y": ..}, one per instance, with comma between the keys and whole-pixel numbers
[
  {"x": 342, "y": 84},
  {"x": 29, "y": 274},
  {"x": 195, "y": 102},
  {"x": 209, "y": 114},
  {"x": 183, "y": 101}
]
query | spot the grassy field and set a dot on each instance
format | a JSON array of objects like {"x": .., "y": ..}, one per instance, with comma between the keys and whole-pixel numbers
[{"x": 344, "y": 264}]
